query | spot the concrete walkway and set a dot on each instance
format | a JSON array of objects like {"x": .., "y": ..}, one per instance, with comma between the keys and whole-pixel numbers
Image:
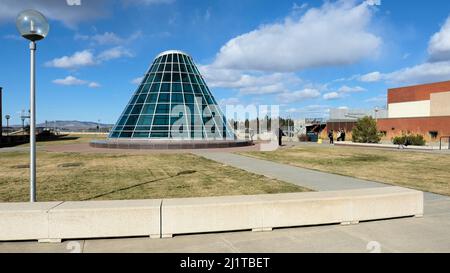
[{"x": 315, "y": 180}]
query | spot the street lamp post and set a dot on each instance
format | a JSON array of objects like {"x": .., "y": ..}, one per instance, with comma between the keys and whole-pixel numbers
[
  {"x": 7, "y": 117},
  {"x": 33, "y": 26}
]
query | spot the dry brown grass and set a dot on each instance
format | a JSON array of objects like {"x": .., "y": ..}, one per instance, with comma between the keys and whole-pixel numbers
[
  {"x": 419, "y": 170},
  {"x": 76, "y": 176}
]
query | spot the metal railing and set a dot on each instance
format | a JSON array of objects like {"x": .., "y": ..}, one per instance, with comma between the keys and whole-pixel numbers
[{"x": 440, "y": 142}]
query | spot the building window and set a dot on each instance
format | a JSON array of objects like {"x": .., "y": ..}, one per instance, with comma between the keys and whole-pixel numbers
[{"x": 433, "y": 134}]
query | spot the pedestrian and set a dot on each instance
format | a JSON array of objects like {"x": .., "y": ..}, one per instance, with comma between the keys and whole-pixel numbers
[
  {"x": 280, "y": 136},
  {"x": 338, "y": 135},
  {"x": 330, "y": 136},
  {"x": 343, "y": 135}
]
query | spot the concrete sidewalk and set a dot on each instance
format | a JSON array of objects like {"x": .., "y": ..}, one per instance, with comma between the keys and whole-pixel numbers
[{"x": 315, "y": 180}]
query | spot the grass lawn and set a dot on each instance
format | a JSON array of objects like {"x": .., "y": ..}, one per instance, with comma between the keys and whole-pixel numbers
[
  {"x": 69, "y": 139},
  {"x": 418, "y": 170},
  {"x": 76, "y": 176}
]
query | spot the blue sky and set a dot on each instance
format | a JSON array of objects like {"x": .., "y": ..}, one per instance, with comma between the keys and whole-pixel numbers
[{"x": 306, "y": 56}]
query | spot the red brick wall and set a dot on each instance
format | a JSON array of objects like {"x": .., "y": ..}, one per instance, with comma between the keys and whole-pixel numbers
[
  {"x": 423, "y": 125},
  {"x": 417, "y": 92}
]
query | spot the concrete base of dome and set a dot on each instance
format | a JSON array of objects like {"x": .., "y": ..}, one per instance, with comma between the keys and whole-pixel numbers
[{"x": 169, "y": 144}]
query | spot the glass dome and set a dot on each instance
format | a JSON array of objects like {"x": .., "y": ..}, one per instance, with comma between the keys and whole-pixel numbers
[
  {"x": 172, "y": 102},
  {"x": 32, "y": 25}
]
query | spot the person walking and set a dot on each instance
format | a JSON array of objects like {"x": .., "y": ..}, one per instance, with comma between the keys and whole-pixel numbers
[
  {"x": 280, "y": 136},
  {"x": 330, "y": 136},
  {"x": 343, "y": 135}
]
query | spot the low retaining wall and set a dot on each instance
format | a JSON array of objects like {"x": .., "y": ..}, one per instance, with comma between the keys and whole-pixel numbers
[
  {"x": 53, "y": 221},
  {"x": 264, "y": 212},
  {"x": 169, "y": 144}
]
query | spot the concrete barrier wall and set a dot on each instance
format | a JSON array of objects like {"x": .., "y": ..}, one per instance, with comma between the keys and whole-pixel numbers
[
  {"x": 92, "y": 219},
  {"x": 264, "y": 212},
  {"x": 24, "y": 221},
  {"x": 53, "y": 221}
]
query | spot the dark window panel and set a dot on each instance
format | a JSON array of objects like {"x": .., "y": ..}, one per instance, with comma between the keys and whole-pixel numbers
[
  {"x": 168, "y": 68},
  {"x": 141, "y": 98},
  {"x": 122, "y": 120},
  {"x": 155, "y": 88},
  {"x": 164, "y": 98},
  {"x": 136, "y": 109},
  {"x": 152, "y": 98},
  {"x": 160, "y": 120},
  {"x": 166, "y": 77},
  {"x": 126, "y": 134},
  {"x": 140, "y": 134},
  {"x": 176, "y": 77},
  {"x": 176, "y": 87},
  {"x": 158, "y": 77},
  {"x": 132, "y": 120},
  {"x": 148, "y": 109},
  {"x": 177, "y": 98},
  {"x": 145, "y": 120},
  {"x": 187, "y": 88},
  {"x": 159, "y": 134},
  {"x": 162, "y": 108},
  {"x": 165, "y": 87}
]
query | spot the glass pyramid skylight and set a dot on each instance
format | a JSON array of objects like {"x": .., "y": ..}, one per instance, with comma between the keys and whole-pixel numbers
[{"x": 172, "y": 102}]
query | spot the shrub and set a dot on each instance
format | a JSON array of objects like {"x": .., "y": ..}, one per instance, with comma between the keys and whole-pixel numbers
[
  {"x": 365, "y": 131},
  {"x": 417, "y": 140}
]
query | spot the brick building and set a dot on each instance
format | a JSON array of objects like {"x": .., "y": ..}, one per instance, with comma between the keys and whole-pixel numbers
[{"x": 420, "y": 109}]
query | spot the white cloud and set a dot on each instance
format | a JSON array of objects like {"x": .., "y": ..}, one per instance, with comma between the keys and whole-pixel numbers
[
  {"x": 137, "y": 80},
  {"x": 334, "y": 34},
  {"x": 343, "y": 92},
  {"x": 114, "y": 53},
  {"x": 249, "y": 82},
  {"x": 421, "y": 73},
  {"x": 94, "y": 85},
  {"x": 87, "y": 58},
  {"x": 69, "y": 80},
  {"x": 332, "y": 96},
  {"x": 56, "y": 10},
  {"x": 78, "y": 59},
  {"x": 108, "y": 38},
  {"x": 267, "y": 89},
  {"x": 348, "y": 89},
  {"x": 300, "y": 95},
  {"x": 439, "y": 44},
  {"x": 371, "y": 77}
]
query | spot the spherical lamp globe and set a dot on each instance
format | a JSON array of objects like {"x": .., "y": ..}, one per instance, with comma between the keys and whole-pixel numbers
[{"x": 32, "y": 25}]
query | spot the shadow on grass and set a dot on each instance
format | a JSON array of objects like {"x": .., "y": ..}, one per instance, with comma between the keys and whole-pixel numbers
[{"x": 140, "y": 184}]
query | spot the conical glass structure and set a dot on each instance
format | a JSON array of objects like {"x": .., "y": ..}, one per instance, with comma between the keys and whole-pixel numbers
[{"x": 172, "y": 102}]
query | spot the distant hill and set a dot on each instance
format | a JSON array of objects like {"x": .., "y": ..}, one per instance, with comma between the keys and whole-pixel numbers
[{"x": 74, "y": 125}]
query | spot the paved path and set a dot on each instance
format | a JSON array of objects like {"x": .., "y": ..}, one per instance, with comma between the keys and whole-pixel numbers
[{"x": 315, "y": 180}]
